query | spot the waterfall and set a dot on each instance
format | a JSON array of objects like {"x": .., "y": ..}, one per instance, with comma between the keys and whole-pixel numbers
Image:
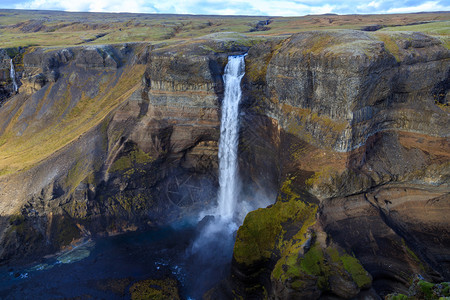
[
  {"x": 12, "y": 74},
  {"x": 229, "y": 134},
  {"x": 211, "y": 252}
]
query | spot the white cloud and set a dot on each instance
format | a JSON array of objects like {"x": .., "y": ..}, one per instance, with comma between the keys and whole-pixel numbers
[
  {"x": 364, "y": 7},
  {"x": 233, "y": 7},
  {"x": 85, "y": 5},
  {"x": 427, "y": 6},
  {"x": 374, "y": 4}
]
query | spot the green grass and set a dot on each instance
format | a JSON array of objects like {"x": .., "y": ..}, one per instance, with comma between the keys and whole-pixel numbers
[
  {"x": 64, "y": 28},
  {"x": 441, "y": 30},
  {"x": 433, "y": 28},
  {"x": 44, "y": 38},
  {"x": 22, "y": 151}
]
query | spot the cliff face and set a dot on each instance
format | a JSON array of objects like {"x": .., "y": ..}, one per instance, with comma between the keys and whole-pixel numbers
[
  {"x": 104, "y": 140},
  {"x": 363, "y": 128},
  {"x": 349, "y": 128}
]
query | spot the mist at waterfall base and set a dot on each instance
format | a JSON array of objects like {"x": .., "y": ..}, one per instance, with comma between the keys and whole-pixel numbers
[{"x": 197, "y": 252}]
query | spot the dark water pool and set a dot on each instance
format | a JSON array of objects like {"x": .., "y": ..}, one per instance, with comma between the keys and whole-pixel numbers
[{"x": 106, "y": 267}]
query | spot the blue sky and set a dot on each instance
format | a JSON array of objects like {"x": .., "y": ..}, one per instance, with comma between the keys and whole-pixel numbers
[{"x": 235, "y": 7}]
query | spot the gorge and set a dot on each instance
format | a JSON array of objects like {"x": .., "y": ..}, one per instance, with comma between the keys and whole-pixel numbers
[{"x": 343, "y": 141}]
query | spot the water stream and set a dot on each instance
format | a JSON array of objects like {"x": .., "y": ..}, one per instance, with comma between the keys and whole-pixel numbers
[{"x": 12, "y": 74}]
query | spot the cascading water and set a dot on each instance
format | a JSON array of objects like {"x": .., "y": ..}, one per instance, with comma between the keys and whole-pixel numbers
[
  {"x": 12, "y": 74},
  {"x": 211, "y": 252},
  {"x": 229, "y": 134}
]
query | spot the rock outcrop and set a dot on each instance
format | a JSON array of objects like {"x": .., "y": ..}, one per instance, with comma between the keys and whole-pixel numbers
[
  {"x": 362, "y": 132},
  {"x": 349, "y": 128}
]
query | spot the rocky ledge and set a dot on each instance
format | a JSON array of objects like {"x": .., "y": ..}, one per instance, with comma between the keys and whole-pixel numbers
[{"x": 349, "y": 128}]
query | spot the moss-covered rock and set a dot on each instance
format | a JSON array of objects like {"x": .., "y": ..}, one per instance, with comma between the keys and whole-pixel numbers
[
  {"x": 133, "y": 158},
  {"x": 319, "y": 270},
  {"x": 264, "y": 230},
  {"x": 282, "y": 240},
  {"x": 421, "y": 289},
  {"x": 155, "y": 290}
]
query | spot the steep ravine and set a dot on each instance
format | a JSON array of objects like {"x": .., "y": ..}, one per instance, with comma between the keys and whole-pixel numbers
[{"x": 342, "y": 125}]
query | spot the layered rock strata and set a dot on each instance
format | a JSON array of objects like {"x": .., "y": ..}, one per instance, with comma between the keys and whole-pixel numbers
[
  {"x": 349, "y": 128},
  {"x": 356, "y": 122}
]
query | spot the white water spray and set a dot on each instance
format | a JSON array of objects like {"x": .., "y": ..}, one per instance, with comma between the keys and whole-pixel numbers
[
  {"x": 212, "y": 249},
  {"x": 229, "y": 134},
  {"x": 12, "y": 74}
]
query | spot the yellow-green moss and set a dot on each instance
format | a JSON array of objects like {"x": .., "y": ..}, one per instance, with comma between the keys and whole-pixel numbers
[
  {"x": 311, "y": 263},
  {"x": 397, "y": 297},
  {"x": 130, "y": 160},
  {"x": 256, "y": 70},
  {"x": 295, "y": 269},
  {"x": 412, "y": 254},
  {"x": 390, "y": 44},
  {"x": 262, "y": 231},
  {"x": 20, "y": 230},
  {"x": 321, "y": 177},
  {"x": 76, "y": 174},
  {"x": 20, "y": 152},
  {"x": 319, "y": 264},
  {"x": 318, "y": 43},
  {"x": 424, "y": 290},
  {"x": 128, "y": 202},
  {"x": 155, "y": 290},
  {"x": 298, "y": 120},
  {"x": 356, "y": 270}
]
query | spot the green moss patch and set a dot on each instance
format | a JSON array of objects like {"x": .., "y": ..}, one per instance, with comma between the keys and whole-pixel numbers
[
  {"x": 318, "y": 265},
  {"x": 127, "y": 202},
  {"x": 263, "y": 230},
  {"x": 390, "y": 44},
  {"x": 131, "y": 159},
  {"x": 21, "y": 152},
  {"x": 421, "y": 289},
  {"x": 356, "y": 270},
  {"x": 283, "y": 231},
  {"x": 155, "y": 290}
]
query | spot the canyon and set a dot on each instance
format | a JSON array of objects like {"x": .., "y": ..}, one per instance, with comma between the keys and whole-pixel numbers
[{"x": 344, "y": 132}]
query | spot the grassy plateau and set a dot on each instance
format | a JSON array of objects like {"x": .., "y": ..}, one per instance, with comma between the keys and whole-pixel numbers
[{"x": 21, "y": 28}]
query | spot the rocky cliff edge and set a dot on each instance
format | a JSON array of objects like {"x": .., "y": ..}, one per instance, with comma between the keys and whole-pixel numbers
[{"x": 349, "y": 128}]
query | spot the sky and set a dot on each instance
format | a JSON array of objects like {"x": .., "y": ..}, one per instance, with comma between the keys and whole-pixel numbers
[{"x": 236, "y": 7}]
